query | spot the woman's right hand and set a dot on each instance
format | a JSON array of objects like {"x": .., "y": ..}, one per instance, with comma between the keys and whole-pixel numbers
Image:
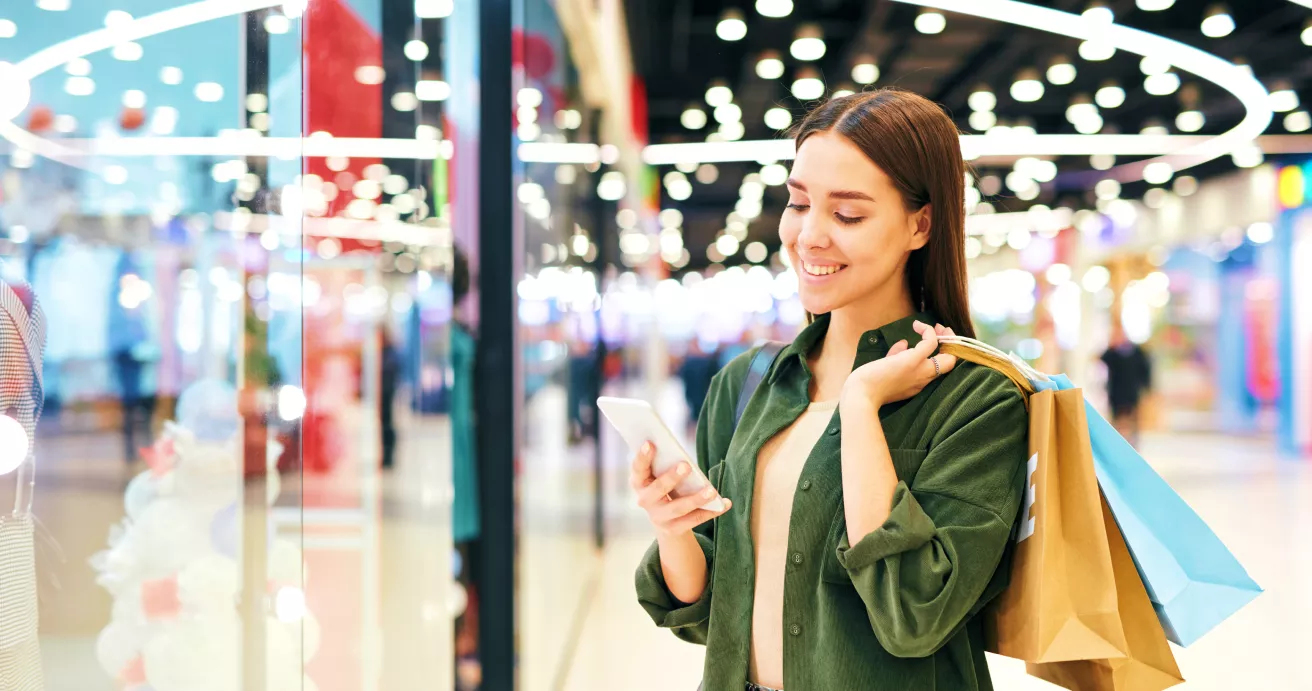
[{"x": 670, "y": 516}]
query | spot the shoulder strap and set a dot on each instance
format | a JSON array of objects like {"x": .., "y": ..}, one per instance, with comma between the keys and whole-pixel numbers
[{"x": 755, "y": 375}]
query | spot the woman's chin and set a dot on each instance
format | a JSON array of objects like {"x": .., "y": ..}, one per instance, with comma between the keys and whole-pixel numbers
[{"x": 816, "y": 304}]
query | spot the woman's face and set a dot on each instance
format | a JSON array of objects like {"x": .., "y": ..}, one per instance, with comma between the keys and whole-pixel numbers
[{"x": 846, "y": 228}]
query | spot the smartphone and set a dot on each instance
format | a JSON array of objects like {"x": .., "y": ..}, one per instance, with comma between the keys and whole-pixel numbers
[{"x": 638, "y": 423}]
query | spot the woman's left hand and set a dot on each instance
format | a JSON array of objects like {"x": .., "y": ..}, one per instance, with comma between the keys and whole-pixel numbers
[{"x": 901, "y": 374}]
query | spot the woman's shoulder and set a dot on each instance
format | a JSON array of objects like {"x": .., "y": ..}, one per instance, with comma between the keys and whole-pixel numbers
[{"x": 973, "y": 385}]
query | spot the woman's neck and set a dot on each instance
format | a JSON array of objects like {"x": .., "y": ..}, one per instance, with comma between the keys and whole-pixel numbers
[{"x": 833, "y": 360}]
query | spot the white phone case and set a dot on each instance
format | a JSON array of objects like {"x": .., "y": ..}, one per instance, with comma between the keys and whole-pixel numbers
[{"x": 638, "y": 423}]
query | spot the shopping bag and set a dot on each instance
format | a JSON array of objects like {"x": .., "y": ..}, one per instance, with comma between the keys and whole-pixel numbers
[
  {"x": 1060, "y": 603},
  {"x": 1194, "y": 582},
  {"x": 1149, "y": 664}
]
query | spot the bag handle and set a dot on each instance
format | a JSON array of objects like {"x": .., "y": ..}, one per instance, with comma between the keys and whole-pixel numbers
[
  {"x": 756, "y": 372},
  {"x": 992, "y": 358}
]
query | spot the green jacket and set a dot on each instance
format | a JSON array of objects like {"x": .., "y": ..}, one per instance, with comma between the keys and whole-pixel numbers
[{"x": 897, "y": 611}]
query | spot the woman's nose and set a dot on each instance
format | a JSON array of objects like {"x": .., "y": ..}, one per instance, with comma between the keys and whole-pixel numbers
[{"x": 814, "y": 234}]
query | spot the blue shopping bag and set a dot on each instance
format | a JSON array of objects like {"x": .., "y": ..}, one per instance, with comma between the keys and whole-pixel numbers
[{"x": 1193, "y": 581}]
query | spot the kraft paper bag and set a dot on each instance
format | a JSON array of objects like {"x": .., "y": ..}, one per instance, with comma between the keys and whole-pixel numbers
[
  {"x": 1061, "y": 601},
  {"x": 1149, "y": 665}
]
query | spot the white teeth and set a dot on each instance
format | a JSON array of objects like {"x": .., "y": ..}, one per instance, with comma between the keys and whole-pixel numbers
[{"x": 820, "y": 270}]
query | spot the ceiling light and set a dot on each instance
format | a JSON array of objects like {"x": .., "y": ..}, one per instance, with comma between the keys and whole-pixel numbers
[
  {"x": 1027, "y": 88},
  {"x": 407, "y": 102},
  {"x": 808, "y": 86},
  {"x": 127, "y": 52},
  {"x": 1218, "y": 22},
  {"x": 1185, "y": 185},
  {"x": 1161, "y": 84},
  {"x": 1110, "y": 95},
  {"x": 982, "y": 99},
  {"x": 865, "y": 71},
  {"x": 78, "y": 67},
  {"x": 719, "y": 94},
  {"x": 707, "y": 173},
  {"x": 1154, "y": 5},
  {"x": 728, "y": 112},
  {"x": 842, "y": 91},
  {"x": 1151, "y": 65},
  {"x": 432, "y": 90},
  {"x": 693, "y": 118},
  {"x": 528, "y": 97},
  {"x": 1261, "y": 233},
  {"x": 930, "y": 22},
  {"x": 1061, "y": 71},
  {"x": 416, "y": 50},
  {"x": 1092, "y": 125},
  {"x": 1155, "y": 198},
  {"x": 52, "y": 5},
  {"x": 982, "y": 120},
  {"x": 1102, "y": 161},
  {"x": 76, "y": 86},
  {"x": 371, "y": 75},
  {"x": 1099, "y": 14},
  {"x": 769, "y": 66},
  {"x": 1095, "y": 50},
  {"x": 433, "y": 9},
  {"x": 1080, "y": 109},
  {"x": 1249, "y": 156},
  {"x": 1190, "y": 121},
  {"x": 1284, "y": 100},
  {"x": 778, "y": 118},
  {"x": 1306, "y": 36},
  {"x": 774, "y": 174},
  {"x": 1298, "y": 121},
  {"x": 1107, "y": 189},
  {"x": 8, "y": 29},
  {"x": 731, "y": 26},
  {"x": 1158, "y": 173},
  {"x": 611, "y": 187},
  {"x": 209, "y": 92},
  {"x": 774, "y": 8},
  {"x": 277, "y": 24},
  {"x": 732, "y": 131},
  {"x": 1154, "y": 127},
  {"x": 136, "y": 98},
  {"x": 809, "y": 44}
]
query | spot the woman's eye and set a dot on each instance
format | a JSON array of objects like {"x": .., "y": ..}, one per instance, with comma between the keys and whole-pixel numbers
[
  {"x": 798, "y": 207},
  {"x": 849, "y": 220}
]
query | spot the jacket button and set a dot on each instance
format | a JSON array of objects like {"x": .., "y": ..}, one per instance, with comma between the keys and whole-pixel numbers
[
  {"x": 872, "y": 340},
  {"x": 795, "y": 629},
  {"x": 806, "y": 484},
  {"x": 797, "y": 557},
  {"x": 833, "y": 430}
]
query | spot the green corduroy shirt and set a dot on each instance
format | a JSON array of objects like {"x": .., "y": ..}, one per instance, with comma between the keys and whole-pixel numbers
[{"x": 897, "y": 611}]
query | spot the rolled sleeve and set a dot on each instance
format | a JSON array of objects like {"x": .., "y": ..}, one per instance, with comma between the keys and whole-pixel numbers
[
  {"x": 908, "y": 527},
  {"x": 687, "y": 620}
]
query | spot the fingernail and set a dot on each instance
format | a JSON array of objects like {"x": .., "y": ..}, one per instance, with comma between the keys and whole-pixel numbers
[
  {"x": 683, "y": 468},
  {"x": 727, "y": 504},
  {"x": 647, "y": 447},
  {"x": 710, "y": 492}
]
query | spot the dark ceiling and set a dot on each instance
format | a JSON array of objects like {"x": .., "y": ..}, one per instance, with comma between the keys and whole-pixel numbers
[{"x": 678, "y": 54}]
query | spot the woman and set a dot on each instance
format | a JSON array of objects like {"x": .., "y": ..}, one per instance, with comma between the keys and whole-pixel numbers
[{"x": 871, "y": 485}]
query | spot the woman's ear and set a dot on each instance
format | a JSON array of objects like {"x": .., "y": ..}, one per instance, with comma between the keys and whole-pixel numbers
[{"x": 923, "y": 220}]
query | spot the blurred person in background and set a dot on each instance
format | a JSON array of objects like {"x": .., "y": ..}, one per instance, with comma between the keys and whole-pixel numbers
[
  {"x": 699, "y": 365},
  {"x": 583, "y": 386},
  {"x": 389, "y": 378},
  {"x": 873, "y": 496},
  {"x": 1129, "y": 377}
]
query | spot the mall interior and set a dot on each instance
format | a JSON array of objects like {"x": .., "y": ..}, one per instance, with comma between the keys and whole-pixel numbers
[{"x": 330, "y": 288}]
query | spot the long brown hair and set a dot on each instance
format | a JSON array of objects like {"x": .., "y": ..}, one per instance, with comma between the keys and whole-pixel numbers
[{"x": 916, "y": 144}]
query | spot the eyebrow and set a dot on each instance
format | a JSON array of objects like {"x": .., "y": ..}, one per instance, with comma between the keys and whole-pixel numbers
[{"x": 836, "y": 194}]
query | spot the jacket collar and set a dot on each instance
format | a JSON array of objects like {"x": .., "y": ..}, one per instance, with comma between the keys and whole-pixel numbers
[{"x": 874, "y": 343}]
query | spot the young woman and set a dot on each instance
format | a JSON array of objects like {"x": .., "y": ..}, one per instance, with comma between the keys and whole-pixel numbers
[{"x": 871, "y": 484}]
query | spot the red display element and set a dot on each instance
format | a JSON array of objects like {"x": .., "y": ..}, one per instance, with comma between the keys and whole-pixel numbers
[
  {"x": 532, "y": 51},
  {"x": 133, "y": 673},
  {"x": 41, "y": 119},
  {"x": 132, "y": 119},
  {"x": 159, "y": 598},
  {"x": 336, "y": 42},
  {"x": 638, "y": 109}
]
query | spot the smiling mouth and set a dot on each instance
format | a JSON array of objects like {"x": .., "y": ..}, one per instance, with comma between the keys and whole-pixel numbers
[{"x": 822, "y": 269}]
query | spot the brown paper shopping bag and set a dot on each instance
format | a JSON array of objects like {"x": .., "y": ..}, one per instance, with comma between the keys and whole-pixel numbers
[
  {"x": 1149, "y": 666},
  {"x": 1061, "y": 602}
]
